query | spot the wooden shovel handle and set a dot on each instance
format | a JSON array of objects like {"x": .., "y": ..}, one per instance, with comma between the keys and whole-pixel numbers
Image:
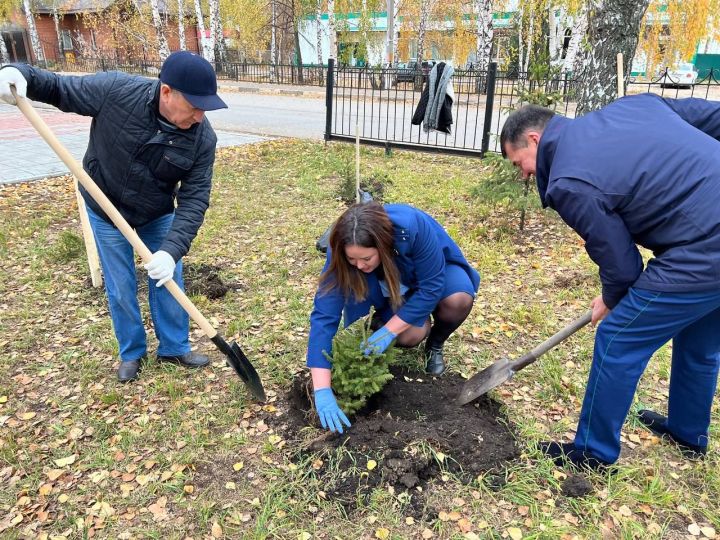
[
  {"x": 545, "y": 346},
  {"x": 127, "y": 231}
]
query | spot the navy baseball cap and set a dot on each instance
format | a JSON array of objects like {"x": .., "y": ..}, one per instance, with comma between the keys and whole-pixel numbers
[{"x": 194, "y": 77}]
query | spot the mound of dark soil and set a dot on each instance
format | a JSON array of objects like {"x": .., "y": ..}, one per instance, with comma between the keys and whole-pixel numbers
[
  {"x": 204, "y": 279},
  {"x": 414, "y": 431}
]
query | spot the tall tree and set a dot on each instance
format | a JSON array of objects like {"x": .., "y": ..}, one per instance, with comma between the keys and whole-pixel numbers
[
  {"x": 4, "y": 56},
  {"x": 673, "y": 28},
  {"x": 332, "y": 28},
  {"x": 319, "y": 34},
  {"x": 56, "y": 20},
  {"x": 614, "y": 27},
  {"x": 207, "y": 47},
  {"x": 216, "y": 30},
  {"x": 163, "y": 48},
  {"x": 32, "y": 29},
  {"x": 181, "y": 25},
  {"x": 426, "y": 9},
  {"x": 483, "y": 45},
  {"x": 579, "y": 29}
]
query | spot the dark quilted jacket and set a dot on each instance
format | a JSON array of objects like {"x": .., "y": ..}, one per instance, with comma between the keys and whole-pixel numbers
[{"x": 135, "y": 157}]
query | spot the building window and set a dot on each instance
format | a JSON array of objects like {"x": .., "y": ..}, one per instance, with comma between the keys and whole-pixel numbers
[{"x": 66, "y": 39}]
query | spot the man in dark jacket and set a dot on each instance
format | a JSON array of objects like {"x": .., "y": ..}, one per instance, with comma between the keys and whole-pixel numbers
[
  {"x": 146, "y": 137},
  {"x": 643, "y": 170}
]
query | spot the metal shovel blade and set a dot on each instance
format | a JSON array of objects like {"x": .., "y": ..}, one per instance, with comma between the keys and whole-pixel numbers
[
  {"x": 242, "y": 366},
  {"x": 481, "y": 383}
]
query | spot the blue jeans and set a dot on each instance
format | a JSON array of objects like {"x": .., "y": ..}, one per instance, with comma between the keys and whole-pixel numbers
[
  {"x": 638, "y": 326},
  {"x": 170, "y": 320}
]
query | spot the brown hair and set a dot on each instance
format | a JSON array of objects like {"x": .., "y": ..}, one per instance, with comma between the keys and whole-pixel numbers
[{"x": 365, "y": 225}]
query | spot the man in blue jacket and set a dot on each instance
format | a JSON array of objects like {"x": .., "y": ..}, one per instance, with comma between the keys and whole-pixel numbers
[
  {"x": 147, "y": 136},
  {"x": 643, "y": 170}
]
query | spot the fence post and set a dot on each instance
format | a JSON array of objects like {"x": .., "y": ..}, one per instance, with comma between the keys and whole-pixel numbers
[
  {"x": 489, "y": 102},
  {"x": 329, "y": 97}
]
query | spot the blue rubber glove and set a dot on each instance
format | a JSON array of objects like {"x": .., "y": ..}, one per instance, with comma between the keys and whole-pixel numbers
[
  {"x": 378, "y": 342},
  {"x": 331, "y": 416}
]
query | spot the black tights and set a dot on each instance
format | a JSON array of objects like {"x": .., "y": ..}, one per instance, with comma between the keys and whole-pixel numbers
[{"x": 447, "y": 317}]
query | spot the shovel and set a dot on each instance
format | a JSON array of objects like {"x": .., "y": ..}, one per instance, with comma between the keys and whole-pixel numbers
[
  {"x": 504, "y": 369},
  {"x": 235, "y": 356}
]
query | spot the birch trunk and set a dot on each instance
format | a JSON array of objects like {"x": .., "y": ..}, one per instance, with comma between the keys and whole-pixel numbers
[
  {"x": 32, "y": 29},
  {"x": 521, "y": 39},
  {"x": 163, "y": 48},
  {"x": 485, "y": 32},
  {"x": 4, "y": 55},
  {"x": 614, "y": 27},
  {"x": 181, "y": 25},
  {"x": 216, "y": 30},
  {"x": 528, "y": 49},
  {"x": 331, "y": 28},
  {"x": 273, "y": 44},
  {"x": 56, "y": 20},
  {"x": 208, "y": 51},
  {"x": 579, "y": 28},
  {"x": 319, "y": 35},
  {"x": 425, "y": 10}
]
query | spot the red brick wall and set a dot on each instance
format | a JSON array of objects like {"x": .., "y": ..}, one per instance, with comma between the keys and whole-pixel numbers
[{"x": 103, "y": 39}]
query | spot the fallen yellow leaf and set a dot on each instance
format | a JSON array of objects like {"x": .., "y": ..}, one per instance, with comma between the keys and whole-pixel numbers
[
  {"x": 216, "y": 530},
  {"x": 515, "y": 533},
  {"x": 239, "y": 465},
  {"x": 64, "y": 462},
  {"x": 382, "y": 533},
  {"x": 371, "y": 464}
]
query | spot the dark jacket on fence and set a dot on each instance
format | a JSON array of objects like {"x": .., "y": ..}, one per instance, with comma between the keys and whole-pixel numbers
[
  {"x": 442, "y": 120},
  {"x": 643, "y": 170},
  {"x": 423, "y": 249},
  {"x": 134, "y": 155}
]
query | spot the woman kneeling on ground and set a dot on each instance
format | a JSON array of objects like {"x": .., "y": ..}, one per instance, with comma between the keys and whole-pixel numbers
[{"x": 401, "y": 261}]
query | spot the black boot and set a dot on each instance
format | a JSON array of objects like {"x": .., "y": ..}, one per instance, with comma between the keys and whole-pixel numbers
[
  {"x": 188, "y": 360},
  {"x": 657, "y": 423},
  {"x": 566, "y": 454},
  {"x": 434, "y": 361},
  {"x": 129, "y": 371}
]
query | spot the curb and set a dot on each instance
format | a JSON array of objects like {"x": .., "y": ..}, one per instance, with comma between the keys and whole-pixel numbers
[{"x": 271, "y": 91}]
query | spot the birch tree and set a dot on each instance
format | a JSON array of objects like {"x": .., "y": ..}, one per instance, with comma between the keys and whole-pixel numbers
[
  {"x": 216, "y": 30},
  {"x": 56, "y": 20},
  {"x": 32, "y": 30},
  {"x": 4, "y": 55},
  {"x": 613, "y": 27},
  {"x": 579, "y": 29},
  {"x": 273, "y": 39},
  {"x": 332, "y": 29},
  {"x": 163, "y": 48},
  {"x": 483, "y": 10},
  {"x": 426, "y": 9},
  {"x": 319, "y": 35},
  {"x": 181, "y": 25},
  {"x": 207, "y": 47}
]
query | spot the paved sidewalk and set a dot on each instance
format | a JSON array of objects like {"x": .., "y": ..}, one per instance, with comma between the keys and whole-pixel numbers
[{"x": 25, "y": 156}]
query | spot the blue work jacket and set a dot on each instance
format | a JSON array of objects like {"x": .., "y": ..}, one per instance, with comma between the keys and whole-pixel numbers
[
  {"x": 422, "y": 250},
  {"x": 642, "y": 171}
]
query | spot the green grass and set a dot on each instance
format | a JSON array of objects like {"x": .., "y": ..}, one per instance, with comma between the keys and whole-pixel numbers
[{"x": 182, "y": 432}]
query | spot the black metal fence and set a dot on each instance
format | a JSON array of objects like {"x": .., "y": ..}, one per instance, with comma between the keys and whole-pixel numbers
[
  {"x": 229, "y": 71},
  {"x": 377, "y": 106}
]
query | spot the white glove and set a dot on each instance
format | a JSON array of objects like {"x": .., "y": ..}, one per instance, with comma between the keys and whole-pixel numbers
[
  {"x": 8, "y": 76},
  {"x": 161, "y": 267}
]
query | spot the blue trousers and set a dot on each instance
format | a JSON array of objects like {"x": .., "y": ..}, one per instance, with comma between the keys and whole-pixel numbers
[
  {"x": 637, "y": 327},
  {"x": 456, "y": 280},
  {"x": 117, "y": 259}
]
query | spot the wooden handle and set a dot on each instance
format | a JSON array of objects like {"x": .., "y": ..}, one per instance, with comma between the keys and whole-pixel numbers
[
  {"x": 545, "y": 346},
  {"x": 109, "y": 209}
]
